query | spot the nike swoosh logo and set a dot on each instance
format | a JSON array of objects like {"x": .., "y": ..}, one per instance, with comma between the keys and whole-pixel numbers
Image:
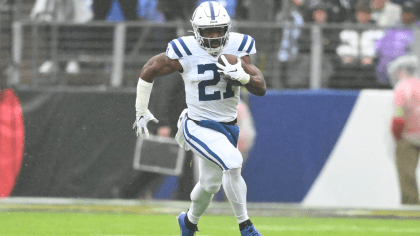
[{"x": 233, "y": 70}]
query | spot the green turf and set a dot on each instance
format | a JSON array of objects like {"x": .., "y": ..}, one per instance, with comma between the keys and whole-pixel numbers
[{"x": 111, "y": 224}]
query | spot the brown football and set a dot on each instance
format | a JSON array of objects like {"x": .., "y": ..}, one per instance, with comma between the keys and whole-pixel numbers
[{"x": 232, "y": 59}]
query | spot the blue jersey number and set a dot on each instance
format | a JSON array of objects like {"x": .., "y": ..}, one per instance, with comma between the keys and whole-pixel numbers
[{"x": 202, "y": 85}]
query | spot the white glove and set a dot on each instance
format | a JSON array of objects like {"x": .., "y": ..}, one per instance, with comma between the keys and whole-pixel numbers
[
  {"x": 235, "y": 71},
  {"x": 140, "y": 125}
]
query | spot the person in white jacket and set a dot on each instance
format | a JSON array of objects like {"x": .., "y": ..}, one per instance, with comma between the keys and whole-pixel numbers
[{"x": 386, "y": 13}]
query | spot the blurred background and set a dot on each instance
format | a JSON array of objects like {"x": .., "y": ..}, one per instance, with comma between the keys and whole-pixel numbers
[{"x": 322, "y": 132}]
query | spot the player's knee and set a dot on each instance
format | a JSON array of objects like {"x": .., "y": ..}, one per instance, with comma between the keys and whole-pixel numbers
[
  {"x": 234, "y": 172},
  {"x": 236, "y": 159},
  {"x": 211, "y": 188}
]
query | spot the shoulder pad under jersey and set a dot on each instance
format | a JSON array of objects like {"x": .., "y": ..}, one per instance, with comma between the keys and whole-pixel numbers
[
  {"x": 240, "y": 44},
  {"x": 178, "y": 48}
]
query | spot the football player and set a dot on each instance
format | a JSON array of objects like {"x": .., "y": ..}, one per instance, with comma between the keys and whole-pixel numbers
[{"x": 208, "y": 126}]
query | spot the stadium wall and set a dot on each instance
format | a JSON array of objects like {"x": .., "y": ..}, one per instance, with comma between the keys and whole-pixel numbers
[
  {"x": 77, "y": 144},
  {"x": 328, "y": 148},
  {"x": 320, "y": 148}
]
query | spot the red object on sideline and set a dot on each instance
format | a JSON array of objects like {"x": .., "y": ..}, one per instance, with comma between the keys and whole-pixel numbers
[
  {"x": 12, "y": 136},
  {"x": 397, "y": 127}
]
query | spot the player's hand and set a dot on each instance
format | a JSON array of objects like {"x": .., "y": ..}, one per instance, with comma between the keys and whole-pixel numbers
[
  {"x": 140, "y": 125},
  {"x": 235, "y": 71}
]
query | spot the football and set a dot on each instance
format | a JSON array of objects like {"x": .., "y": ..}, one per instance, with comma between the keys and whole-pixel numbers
[{"x": 232, "y": 59}]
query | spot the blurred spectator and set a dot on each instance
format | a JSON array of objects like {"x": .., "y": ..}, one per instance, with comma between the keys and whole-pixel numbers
[
  {"x": 320, "y": 13},
  {"x": 356, "y": 50},
  {"x": 148, "y": 10},
  {"x": 136, "y": 37},
  {"x": 405, "y": 125},
  {"x": 185, "y": 8},
  {"x": 182, "y": 15},
  {"x": 386, "y": 13},
  {"x": 294, "y": 22},
  {"x": 337, "y": 10},
  {"x": 397, "y": 41},
  {"x": 283, "y": 9},
  {"x": 353, "y": 8},
  {"x": 400, "y": 66},
  {"x": 363, "y": 12},
  {"x": 73, "y": 11},
  {"x": 410, "y": 12},
  {"x": 101, "y": 9},
  {"x": 259, "y": 11},
  {"x": 242, "y": 10},
  {"x": 298, "y": 74},
  {"x": 12, "y": 135},
  {"x": 357, "y": 45},
  {"x": 144, "y": 10},
  {"x": 288, "y": 51}
]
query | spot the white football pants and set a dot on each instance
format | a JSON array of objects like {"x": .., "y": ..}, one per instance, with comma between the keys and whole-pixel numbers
[{"x": 220, "y": 163}]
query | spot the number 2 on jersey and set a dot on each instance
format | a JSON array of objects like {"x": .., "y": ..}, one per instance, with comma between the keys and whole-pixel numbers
[{"x": 202, "y": 85}]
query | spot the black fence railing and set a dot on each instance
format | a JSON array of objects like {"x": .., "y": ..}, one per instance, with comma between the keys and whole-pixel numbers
[{"x": 317, "y": 56}]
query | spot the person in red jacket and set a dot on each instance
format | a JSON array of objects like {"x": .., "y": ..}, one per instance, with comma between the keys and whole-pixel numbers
[
  {"x": 12, "y": 135},
  {"x": 406, "y": 125}
]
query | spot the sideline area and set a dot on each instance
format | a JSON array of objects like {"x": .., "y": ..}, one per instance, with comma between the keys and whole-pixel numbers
[{"x": 216, "y": 208}]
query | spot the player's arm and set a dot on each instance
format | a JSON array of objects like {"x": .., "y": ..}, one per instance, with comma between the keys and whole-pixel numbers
[
  {"x": 157, "y": 65},
  {"x": 243, "y": 73},
  {"x": 256, "y": 84}
]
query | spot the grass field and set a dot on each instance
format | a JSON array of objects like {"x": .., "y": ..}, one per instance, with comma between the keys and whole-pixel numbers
[
  {"x": 87, "y": 218},
  {"x": 107, "y": 224}
]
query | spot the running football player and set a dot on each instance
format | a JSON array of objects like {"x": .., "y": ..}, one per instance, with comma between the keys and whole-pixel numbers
[{"x": 208, "y": 126}]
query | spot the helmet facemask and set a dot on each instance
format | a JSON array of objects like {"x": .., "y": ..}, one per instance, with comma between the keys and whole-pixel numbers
[
  {"x": 211, "y": 15},
  {"x": 212, "y": 45}
]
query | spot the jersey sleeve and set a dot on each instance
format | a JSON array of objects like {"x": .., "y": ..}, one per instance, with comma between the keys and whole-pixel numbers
[
  {"x": 177, "y": 49},
  {"x": 246, "y": 46}
]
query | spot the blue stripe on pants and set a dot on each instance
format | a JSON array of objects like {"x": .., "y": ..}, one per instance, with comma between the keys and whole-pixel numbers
[{"x": 203, "y": 145}]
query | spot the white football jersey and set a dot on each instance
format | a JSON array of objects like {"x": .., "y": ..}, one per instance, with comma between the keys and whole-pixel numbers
[{"x": 208, "y": 96}]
